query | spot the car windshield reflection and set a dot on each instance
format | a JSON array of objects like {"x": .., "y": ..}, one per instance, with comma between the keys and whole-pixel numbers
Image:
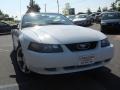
[{"x": 41, "y": 19}]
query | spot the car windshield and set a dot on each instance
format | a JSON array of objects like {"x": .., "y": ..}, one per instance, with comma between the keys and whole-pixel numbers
[
  {"x": 33, "y": 19},
  {"x": 107, "y": 16},
  {"x": 81, "y": 16}
]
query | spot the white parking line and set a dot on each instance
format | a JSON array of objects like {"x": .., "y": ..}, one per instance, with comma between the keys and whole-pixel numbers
[
  {"x": 3, "y": 50},
  {"x": 6, "y": 45},
  {"x": 9, "y": 87}
]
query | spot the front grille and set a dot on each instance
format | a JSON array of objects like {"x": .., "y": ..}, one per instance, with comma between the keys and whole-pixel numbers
[
  {"x": 85, "y": 66},
  {"x": 76, "y": 22},
  {"x": 114, "y": 24},
  {"x": 82, "y": 46},
  {"x": 79, "y": 22}
]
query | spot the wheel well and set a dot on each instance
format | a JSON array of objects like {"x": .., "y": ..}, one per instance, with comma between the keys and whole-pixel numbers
[{"x": 19, "y": 44}]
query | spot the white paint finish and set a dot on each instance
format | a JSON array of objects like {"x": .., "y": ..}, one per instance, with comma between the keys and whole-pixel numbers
[
  {"x": 63, "y": 34},
  {"x": 62, "y": 59},
  {"x": 60, "y": 34},
  {"x": 80, "y": 19}
]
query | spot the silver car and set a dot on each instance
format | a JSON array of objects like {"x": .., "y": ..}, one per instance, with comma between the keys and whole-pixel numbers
[{"x": 82, "y": 20}]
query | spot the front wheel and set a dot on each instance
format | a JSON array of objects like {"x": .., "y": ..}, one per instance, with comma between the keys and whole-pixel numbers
[
  {"x": 103, "y": 29},
  {"x": 13, "y": 43},
  {"x": 21, "y": 61}
]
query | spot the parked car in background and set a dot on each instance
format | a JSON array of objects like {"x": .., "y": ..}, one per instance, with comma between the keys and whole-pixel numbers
[
  {"x": 98, "y": 17},
  {"x": 5, "y": 28},
  {"x": 82, "y": 20},
  {"x": 92, "y": 17},
  {"x": 15, "y": 26},
  {"x": 49, "y": 43},
  {"x": 71, "y": 17},
  {"x": 110, "y": 21}
]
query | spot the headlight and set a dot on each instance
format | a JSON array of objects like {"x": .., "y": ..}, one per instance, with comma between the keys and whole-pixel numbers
[
  {"x": 103, "y": 23},
  {"x": 105, "y": 43},
  {"x": 45, "y": 48}
]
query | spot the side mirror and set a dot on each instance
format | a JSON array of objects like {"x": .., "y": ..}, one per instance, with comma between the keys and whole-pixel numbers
[{"x": 15, "y": 26}]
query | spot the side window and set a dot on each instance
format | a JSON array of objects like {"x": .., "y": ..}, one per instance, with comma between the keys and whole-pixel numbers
[{"x": 22, "y": 24}]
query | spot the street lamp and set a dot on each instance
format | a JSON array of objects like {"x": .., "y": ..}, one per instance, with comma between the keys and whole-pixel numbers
[
  {"x": 45, "y": 8},
  {"x": 58, "y": 5},
  {"x": 31, "y": 2}
]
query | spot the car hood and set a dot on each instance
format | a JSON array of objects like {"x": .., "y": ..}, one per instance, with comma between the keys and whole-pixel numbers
[
  {"x": 63, "y": 34},
  {"x": 111, "y": 20},
  {"x": 80, "y": 19}
]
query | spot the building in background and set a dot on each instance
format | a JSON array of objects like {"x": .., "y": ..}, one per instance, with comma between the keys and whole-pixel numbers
[
  {"x": 68, "y": 10},
  {"x": 72, "y": 11}
]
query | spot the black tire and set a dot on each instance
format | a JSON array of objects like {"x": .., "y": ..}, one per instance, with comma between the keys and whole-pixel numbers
[
  {"x": 102, "y": 69},
  {"x": 103, "y": 29},
  {"x": 21, "y": 62},
  {"x": 90, "y": 23},
  {"x": 13, "y": 44}
]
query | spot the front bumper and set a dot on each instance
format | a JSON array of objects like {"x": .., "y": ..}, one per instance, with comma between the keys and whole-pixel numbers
[
  {"x": 67, "y": 62},
  {"x": 80, "y": 23},
  {"x": 111, "y": 27}
]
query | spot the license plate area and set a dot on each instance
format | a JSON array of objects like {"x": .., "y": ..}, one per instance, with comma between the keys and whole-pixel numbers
[{"x": 84, "y": 60}]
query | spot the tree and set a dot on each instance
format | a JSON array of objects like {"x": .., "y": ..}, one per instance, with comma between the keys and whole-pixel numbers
[
  {"x": 6, "y": 15},
  {"x": 89, "y": 11},
  {"x": 1, "y": 13},
  {"x": 118, "y": 4},
  {"x": 99, "y": 10},
  {"x": 118, "y": 7},
  {"x": 105, "y": 9},
  {"x": 33, "y": 7},
  {"x": 66, "y": 9},
  {"x": 113, "y": 6},
  {"x": 117, "y": 1}
]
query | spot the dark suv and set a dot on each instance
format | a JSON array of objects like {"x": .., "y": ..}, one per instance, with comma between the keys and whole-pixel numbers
[
  {"x": 4, "y": 28},
  {"x": 110, "y": 21}
]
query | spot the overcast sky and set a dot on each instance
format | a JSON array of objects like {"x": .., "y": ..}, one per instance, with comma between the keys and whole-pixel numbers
[{"x": 14, "y": 8}]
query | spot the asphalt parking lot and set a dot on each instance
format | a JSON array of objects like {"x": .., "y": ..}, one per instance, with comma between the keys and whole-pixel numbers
[{"x": 107, "y": 78}]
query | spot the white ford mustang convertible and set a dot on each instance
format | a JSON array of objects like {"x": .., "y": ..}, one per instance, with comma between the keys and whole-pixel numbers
[{"x": 49, "y": 43}]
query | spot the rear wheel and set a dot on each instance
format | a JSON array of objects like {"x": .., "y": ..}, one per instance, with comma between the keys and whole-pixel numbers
[{"x": 21, "y": 61}]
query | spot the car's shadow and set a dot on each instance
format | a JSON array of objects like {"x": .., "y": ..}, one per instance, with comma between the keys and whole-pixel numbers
[
  {"x": 85, "y": 25},
  {"x": 99, "y": 79},
  {"x": 4, "y": 34},
  {"x": 112, "y": 32}
]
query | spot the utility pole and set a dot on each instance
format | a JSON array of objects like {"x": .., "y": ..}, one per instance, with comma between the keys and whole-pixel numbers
[
  {"x": 45, "y": 8},
  {"x": 20, "y": 9},
  {"x": 31, "y": 2},
  {"x": 58, "y": 5}
]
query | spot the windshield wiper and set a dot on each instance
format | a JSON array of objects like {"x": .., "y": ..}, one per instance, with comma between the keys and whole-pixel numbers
[{"x": 54, "y": 23}]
